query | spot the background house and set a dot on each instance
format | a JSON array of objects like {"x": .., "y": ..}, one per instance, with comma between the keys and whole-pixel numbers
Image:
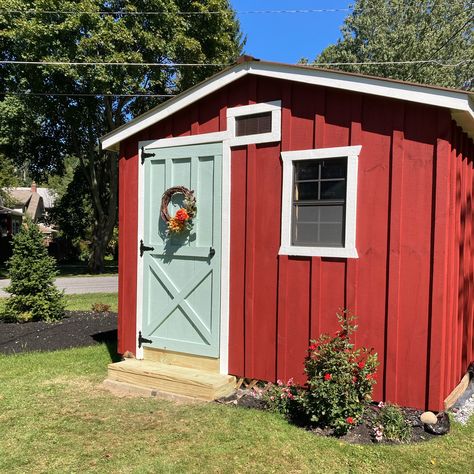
[{"x": 34, "y": 202}]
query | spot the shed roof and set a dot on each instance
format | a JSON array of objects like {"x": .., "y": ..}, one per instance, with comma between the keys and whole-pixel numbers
[{"x": 460, "y": 103}]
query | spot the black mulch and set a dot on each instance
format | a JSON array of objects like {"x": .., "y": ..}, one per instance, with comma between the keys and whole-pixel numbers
[
  {"x": 77, "y": 329},
  {"x": 360, "y": 434}
]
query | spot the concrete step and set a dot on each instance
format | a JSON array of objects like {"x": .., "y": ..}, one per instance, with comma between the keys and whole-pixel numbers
[{"x": 172, "y": 379}]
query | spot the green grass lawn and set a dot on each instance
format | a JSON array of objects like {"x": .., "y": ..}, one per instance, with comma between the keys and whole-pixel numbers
[
  {"x": 85, "y": 301},
  {"x": 73, "y": 270},
  {"x": 55, "y": 418}
]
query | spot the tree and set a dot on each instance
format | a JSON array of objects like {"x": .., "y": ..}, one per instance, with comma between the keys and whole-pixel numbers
[
  {"x": 42, "y": 130},
  {"x": 32, "y": 272},
  {"x": 408, "y": 30},
  {"x": 8, "y": 179}
]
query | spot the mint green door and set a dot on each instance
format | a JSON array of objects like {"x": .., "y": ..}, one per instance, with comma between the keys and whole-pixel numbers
[{"x": 181, "y": 275}]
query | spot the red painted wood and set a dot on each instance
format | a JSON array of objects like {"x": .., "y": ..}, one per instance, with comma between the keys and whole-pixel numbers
[
  {"x": 251, "y": 197},
  {"x": 237, "y": 262},
  {"x": 394, "y": 211},
  {"x": 411, "y": 287},
  {"x": 265, "y": 240},
  {"x": 128, "y": 245},
  {"x": 437, "y": 352}
]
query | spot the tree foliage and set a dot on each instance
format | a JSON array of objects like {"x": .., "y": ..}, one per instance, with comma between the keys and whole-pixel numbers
[
  {"x": 408, "y": 30},
  {"x": 42, "y": 130},
  {"x": 32, "y": 272}
]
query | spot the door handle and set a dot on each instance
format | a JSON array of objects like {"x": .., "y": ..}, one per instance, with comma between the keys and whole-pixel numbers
[{"x": 212, "y": 252}]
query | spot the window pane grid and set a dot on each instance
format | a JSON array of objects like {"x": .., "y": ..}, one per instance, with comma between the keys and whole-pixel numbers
[{"x": 319, "y": 196}]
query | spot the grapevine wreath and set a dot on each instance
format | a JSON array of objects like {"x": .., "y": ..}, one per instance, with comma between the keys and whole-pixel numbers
[{"x": 182, "y": 220}]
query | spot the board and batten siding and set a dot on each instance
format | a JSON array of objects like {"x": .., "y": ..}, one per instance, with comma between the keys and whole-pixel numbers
[{"x": 412, "y": 286}]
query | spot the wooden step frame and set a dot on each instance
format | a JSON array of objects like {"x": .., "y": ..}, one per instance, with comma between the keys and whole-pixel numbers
[{"x": 172, "y": 379}]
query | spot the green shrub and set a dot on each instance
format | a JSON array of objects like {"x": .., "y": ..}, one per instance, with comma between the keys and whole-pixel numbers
[
  {"x": 340, "y": 378},
  {"x": 392, "y": 425},
  {"x": 32, "y": 271}
]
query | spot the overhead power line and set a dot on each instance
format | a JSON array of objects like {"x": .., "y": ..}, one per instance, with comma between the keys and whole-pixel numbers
[
  {"x": 75, "y": 94},
  {"x": 437, "y": 62},
  {"x": 105, "y": 63},
  {"x": 184, "y": 13},
  {"x": 457, "y": 32}
]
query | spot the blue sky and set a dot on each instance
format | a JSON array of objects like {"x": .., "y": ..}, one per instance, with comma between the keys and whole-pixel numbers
[{"x": 289, "y": 37}]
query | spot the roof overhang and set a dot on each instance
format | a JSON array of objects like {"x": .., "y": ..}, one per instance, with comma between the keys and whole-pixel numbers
[{"x": 460, "y": 103}]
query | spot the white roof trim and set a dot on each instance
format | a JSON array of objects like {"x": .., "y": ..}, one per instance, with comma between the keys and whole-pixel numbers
[{"x": 461, "y": 106}]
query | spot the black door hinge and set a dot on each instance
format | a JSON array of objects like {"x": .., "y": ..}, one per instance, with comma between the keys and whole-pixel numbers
[
  {"x": 144, "y": 248},
  {"x": 146, "y": 155},
  {"x": 142, "y": 340},
  {"x": 212, "y": 252}
]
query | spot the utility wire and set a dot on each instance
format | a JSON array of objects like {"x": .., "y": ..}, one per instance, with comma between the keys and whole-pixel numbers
[
  {"x": 469, "y": 20},
  {"x": 105, "y": 63},
  {"x": 74, "y": 94},
  {"x": 184, "y": 13},
  {"x": 437, "y": 62}
]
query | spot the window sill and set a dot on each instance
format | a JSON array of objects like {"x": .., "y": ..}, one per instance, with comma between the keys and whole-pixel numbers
[{"x": 335, "y": 252}]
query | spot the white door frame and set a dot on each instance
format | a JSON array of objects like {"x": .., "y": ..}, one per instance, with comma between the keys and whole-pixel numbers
[
  {"x": 228, "y": 139},
  {"x": 204, "y": 138}
]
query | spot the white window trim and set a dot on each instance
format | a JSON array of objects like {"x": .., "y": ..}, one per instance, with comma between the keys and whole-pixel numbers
[
  {"x": 289, "y": 157},
  {"x": 274, "y": 136}
]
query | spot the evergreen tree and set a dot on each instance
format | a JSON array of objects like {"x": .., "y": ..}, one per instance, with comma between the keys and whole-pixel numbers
[{"x": 34, "y": 295}]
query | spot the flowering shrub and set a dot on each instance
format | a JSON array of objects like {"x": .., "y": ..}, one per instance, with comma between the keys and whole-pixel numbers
[
  {"x": 282, "y": 398},
  {"x": 340, "y": 378},
  {"x": 391, "y": 424}
]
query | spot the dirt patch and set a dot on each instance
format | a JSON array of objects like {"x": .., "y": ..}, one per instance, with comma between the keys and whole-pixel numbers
[{"x": 77, "y": 329}]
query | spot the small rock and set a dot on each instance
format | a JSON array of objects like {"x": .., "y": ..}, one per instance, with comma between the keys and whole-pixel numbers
[
  {"x": 442, "y": 426},
  {"x": 428, "y": 418}
]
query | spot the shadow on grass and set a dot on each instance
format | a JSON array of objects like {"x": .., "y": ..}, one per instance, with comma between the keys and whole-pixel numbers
[{"x": 109, "y": 338}]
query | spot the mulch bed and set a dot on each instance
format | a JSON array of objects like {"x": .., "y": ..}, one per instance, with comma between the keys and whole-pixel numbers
[
  {"x": 360, "y": 434},
  {"x": 77, "y": 329}
]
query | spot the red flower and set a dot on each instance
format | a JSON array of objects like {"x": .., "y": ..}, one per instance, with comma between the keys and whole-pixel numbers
[
  {"x": 354, "y": 379},
  {"x": 361, "y": 364},
  {"x": 327, "y": 377},
  {"x": 350, "y": 420},
  {"x": 181, "y": 215},
  {"x": 313, "y": 347}
]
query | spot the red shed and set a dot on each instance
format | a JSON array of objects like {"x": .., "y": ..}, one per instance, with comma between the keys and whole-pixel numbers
[{"x": 315, "y": 190}]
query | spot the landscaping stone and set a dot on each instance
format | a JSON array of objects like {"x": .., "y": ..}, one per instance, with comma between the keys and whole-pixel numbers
[
  {"x": 428, "y": 418},
  {"x": 442, "y": 425}
]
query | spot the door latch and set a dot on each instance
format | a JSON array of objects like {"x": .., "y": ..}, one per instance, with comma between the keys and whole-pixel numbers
[
  {"x": 144, "y": 248},
  {"x": 142, "y": 340},
  {"x": 212, "y": 252}
]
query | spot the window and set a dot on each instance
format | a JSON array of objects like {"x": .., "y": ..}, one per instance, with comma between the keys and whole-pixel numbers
[
  {"x": 319, "y": 202},
  {"x": 255, "y": 123},
  {"x": 319, "y": 197}
]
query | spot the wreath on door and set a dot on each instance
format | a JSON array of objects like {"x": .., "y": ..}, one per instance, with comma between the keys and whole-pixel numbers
[{"x": 182, "y": 220}]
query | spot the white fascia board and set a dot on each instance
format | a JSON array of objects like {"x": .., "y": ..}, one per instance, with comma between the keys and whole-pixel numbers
[
  {"x": 366, "y": 85},
  {"x": 110, "y": 141},
  {"x": 459, "y": 103}
]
